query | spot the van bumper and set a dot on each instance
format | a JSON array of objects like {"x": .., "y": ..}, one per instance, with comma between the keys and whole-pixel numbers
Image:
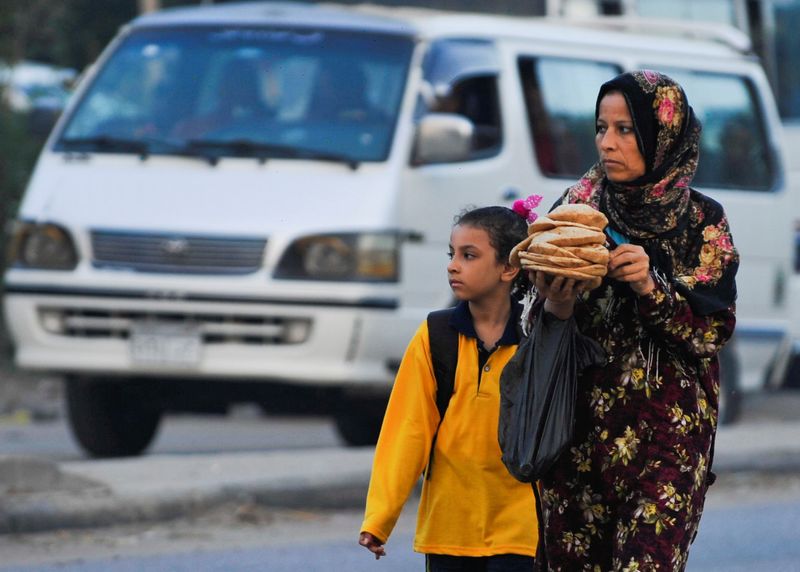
[{"x": 335, "y": 343}]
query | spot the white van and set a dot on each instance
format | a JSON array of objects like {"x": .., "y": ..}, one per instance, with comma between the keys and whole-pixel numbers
[{"x": 246, "y": 202}]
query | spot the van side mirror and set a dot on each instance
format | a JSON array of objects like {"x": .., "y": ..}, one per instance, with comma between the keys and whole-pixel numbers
[{"x": 443, "y": 138}]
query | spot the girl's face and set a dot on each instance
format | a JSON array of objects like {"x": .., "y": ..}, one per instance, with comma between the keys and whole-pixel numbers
[
  {"x": 474, "y": 271},
  {"x": 616, "y": 140}
]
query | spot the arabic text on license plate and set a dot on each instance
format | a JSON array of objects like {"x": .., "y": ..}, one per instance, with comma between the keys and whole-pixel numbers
[{"x": 176, "y": 345}]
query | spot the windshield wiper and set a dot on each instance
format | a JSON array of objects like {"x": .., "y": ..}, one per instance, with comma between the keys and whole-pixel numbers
[
  {"x": 142, "y": 146},
  {"x": 328, "y": 156},
  {"x": 263, "y": 151},
  {"x": 107, "y": 143}
]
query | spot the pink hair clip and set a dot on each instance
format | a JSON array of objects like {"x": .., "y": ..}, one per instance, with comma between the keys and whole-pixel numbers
[{"x": 524, "y": 207}]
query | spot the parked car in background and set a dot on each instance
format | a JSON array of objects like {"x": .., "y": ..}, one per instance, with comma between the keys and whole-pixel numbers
[
  {"x": 27, "y": 84},
  {"x": 37, "y": 89},
  {"x": 253, "y": 202}
]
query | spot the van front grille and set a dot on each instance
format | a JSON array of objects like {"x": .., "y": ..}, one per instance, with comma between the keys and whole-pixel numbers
[
  {"x": 177, "y": 253},
  {"x": 213, "y": 329}
]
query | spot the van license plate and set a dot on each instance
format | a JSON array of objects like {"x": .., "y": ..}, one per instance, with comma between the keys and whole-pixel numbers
[{"x": 172, "y": 345}]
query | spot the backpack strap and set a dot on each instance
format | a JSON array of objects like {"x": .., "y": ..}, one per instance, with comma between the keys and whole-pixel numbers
[{"x": 443, "y": 341}]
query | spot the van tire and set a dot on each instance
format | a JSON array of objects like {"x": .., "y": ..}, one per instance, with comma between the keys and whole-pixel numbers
[
  {"x": 359, "y": 421},
  {"x": 730, "y": 393},
  {"x": 111, "y": 418}
]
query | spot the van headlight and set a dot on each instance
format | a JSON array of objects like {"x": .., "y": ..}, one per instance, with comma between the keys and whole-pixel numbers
[
  {"x": 369, "y": 257},
  {"x": 42, "y": 246}
]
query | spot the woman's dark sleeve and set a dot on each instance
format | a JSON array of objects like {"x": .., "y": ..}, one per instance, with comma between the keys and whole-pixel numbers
[
  {"x": 696, "y": 312},
  {"x": 667, "y": 314}
]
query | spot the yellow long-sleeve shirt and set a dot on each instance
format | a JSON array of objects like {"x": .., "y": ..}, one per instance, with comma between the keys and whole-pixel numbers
[{"x": 471, "y": 505}]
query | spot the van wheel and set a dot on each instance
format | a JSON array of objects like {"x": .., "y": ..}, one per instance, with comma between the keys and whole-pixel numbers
[
  {"x": 359, "y": 421},
  {"x": 112, "y": 419},
  {"x": 730, "y": 394}
]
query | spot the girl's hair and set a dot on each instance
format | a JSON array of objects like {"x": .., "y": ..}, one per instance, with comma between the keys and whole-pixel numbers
[{"x": 505, "y": 228}]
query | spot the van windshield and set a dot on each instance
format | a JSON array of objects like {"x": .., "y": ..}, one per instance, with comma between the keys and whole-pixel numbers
[{"x": 236, "y": 91}]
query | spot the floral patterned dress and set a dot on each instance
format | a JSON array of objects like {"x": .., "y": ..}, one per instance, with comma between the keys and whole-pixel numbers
[{"x": 629, "y": 493}]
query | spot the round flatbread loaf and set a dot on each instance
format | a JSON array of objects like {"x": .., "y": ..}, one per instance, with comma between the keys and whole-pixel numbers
[
  {"x": 547, "y": 260},
  {"x": 546, "y": 223},
  {"x": 570, "y": 236},
  {"x": 579, "y": 273},
  {"x": 513, "y": 256},
  {"x": 589, "y": 282},
  {"x": 548, "y": 249},
  {"x": 579, "y": 213},
  {"x": 569, "y": 241},
  {"x": 588, "y": 270},
  {"x": 595, "y": 253}
]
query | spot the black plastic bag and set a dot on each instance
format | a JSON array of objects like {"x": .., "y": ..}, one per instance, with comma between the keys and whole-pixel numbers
[{"x": 537, "y": 394}]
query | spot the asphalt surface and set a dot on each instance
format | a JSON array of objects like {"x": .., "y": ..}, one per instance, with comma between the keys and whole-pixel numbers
[{"x": 39, "y": 495}]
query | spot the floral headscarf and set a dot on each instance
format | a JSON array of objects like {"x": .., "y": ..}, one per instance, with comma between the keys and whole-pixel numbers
[{"x": 685, "y": 233}]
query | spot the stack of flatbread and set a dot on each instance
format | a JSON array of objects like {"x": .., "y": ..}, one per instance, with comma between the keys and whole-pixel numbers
[{"x": 569, "y": 242}]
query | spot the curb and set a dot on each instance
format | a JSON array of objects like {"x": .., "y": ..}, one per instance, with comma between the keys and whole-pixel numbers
[
  {"x": 37, "y": 495},
  {"x": 45, "y": 514},
  {"x": 115, "y": 492},
  {"x": 99, "y": 507},
  {"x": 778, "y": 462}
]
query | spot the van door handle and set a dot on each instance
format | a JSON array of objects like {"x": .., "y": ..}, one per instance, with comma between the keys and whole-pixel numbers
[
  {"x": 779, "y": 288},
  {"x": 510, "y": 194}
]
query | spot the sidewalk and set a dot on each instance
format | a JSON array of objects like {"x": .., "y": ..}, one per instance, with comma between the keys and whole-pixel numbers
[{"x": 39, "y": 495}]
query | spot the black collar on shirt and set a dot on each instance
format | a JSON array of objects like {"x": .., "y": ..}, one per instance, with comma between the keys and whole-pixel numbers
[{"x": 461, "y": 320}]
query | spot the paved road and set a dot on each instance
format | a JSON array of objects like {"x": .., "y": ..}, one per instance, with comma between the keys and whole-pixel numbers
[
  {"x": 199, "y": 463},
  {"x": 245, "y": 430},
  {"x": 750, "y": 538},
  {"x": 749, "y": 525}
]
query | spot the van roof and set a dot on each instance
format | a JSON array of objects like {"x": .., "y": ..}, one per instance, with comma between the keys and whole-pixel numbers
[
  {"x": 426, "y": 23},
  {"x": 279, "y": 13}
]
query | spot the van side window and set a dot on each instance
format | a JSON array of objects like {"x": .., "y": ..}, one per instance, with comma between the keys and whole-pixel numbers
[
  {"x": 734, "y": 151},
  {"x": 477, "y": 100},
  {"x": 461, "y": 75},
  {"x": 559, "y": 98}
]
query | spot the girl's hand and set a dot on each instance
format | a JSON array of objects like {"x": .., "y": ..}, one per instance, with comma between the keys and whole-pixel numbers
[
  {"x": 559, "y": 292},
  {"x": 372, "y": 544},
  {"x": 630, "y": 263}
]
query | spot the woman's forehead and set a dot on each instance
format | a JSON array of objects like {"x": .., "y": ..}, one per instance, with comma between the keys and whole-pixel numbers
[{"x": 614, "y": 102}]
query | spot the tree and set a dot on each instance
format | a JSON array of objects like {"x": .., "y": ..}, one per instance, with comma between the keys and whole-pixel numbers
[
  {"x": 29, "y": 27},
  {"x": 68, "y": 33},
  {"x": 88, "y": 27}
]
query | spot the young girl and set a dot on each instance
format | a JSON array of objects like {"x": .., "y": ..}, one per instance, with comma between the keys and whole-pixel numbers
[{"x": 473, "y": 515}]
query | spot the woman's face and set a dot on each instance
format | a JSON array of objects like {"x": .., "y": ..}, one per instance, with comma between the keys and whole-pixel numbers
[{"x": 616, "y": 140}]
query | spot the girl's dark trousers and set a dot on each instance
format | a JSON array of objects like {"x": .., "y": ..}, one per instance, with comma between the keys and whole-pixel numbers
[{"x": 498, "y": 563}]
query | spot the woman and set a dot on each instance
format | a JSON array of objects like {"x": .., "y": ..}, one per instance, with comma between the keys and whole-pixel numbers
[{"x": 629, "y": 493}]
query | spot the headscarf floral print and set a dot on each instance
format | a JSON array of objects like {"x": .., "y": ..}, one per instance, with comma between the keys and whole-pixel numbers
[{"x": 687, "y": 241}]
